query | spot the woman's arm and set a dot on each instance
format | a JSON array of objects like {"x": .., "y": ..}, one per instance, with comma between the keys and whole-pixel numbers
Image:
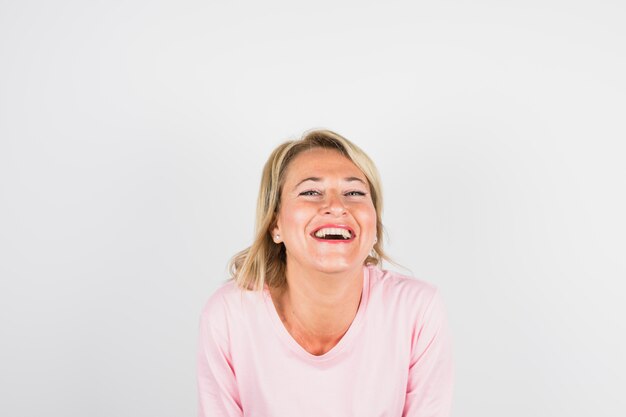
[
  {"x": 431, "y": 371},
  {"x": 218, "y": 395}
]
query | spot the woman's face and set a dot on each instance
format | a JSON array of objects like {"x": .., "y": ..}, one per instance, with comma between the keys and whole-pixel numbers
[{"x": 327, "y": 219}]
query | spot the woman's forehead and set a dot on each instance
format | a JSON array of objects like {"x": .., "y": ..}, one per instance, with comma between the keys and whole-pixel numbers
[{"x": 319, "y": 163}]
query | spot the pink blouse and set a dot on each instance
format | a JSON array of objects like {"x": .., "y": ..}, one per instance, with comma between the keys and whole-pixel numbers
[{"x": 394, "y": 360}]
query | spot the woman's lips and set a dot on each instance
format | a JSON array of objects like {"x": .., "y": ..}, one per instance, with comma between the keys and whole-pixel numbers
[{"x": 334, "y": 226}]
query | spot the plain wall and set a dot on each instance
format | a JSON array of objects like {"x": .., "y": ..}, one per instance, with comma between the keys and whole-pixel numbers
[{"x": 132, "y": 138}]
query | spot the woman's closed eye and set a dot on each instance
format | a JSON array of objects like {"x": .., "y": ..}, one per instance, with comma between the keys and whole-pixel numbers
[
  {"x": 348, "y": 194},
  {"x": 355, "y": 193},
  {"x": 310, "y": 193}
]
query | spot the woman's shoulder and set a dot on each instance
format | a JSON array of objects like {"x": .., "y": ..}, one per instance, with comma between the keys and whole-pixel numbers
[
  {"x": 228, "y": 299},
  {"x": 406, "y": 297},
  {"x": 396, "y": 287},
  {"x": 397, "y": 281}
]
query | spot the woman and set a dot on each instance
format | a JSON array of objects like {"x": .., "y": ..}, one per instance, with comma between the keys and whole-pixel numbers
[{"x": 310, "y": 325}]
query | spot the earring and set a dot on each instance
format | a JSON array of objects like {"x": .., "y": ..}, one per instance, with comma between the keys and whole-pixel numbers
[
  {"x": 277, "y": 238},
  {"x": 375, "y": 239}
]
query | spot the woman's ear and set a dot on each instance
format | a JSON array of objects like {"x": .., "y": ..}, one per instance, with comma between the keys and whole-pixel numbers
[{"x": 276, "y": 235}]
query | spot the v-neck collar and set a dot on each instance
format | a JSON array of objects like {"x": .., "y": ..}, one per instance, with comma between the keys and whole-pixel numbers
[{"x": 345, "y": 340}]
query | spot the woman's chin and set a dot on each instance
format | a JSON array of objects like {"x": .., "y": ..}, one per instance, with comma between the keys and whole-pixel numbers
[{"x": 337, "y": 267}]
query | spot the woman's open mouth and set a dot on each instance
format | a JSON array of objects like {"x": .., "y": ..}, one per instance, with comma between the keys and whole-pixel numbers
[{"x": 333, "y": 234}]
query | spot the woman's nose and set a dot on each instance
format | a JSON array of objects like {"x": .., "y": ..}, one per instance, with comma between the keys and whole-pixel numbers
[{"x": 334, "y": 204}]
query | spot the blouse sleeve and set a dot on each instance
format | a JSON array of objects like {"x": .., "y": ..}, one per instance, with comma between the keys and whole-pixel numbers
[
  {"x": 431, "y": 370},
  {"x": 218, "y": 395}
]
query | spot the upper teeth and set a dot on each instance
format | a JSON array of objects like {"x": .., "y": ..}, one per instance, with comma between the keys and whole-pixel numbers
[{"x": 333, "y": 231}]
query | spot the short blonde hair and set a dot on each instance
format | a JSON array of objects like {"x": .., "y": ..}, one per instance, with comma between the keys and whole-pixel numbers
[{"x": 265, "y": 261}]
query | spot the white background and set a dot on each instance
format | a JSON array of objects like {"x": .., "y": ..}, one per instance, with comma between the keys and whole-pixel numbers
[{"x": 132, "y": 137}]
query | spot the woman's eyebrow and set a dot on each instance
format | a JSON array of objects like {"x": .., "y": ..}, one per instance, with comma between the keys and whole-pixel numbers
[
  {"x": 318, "y": 179},
  {"x": 352, "y": 179},
  {"x": 315, "y": 179}
]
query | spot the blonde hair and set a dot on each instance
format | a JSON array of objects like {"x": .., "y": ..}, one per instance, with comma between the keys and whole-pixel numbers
[{"x": 265, "y": 261}]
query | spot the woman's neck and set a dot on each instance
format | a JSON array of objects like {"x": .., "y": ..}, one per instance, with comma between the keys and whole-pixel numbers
[{"x": 317, "y": 308}]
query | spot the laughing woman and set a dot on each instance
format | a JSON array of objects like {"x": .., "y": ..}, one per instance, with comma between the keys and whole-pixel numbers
[{"x": 310, "y": 324}]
